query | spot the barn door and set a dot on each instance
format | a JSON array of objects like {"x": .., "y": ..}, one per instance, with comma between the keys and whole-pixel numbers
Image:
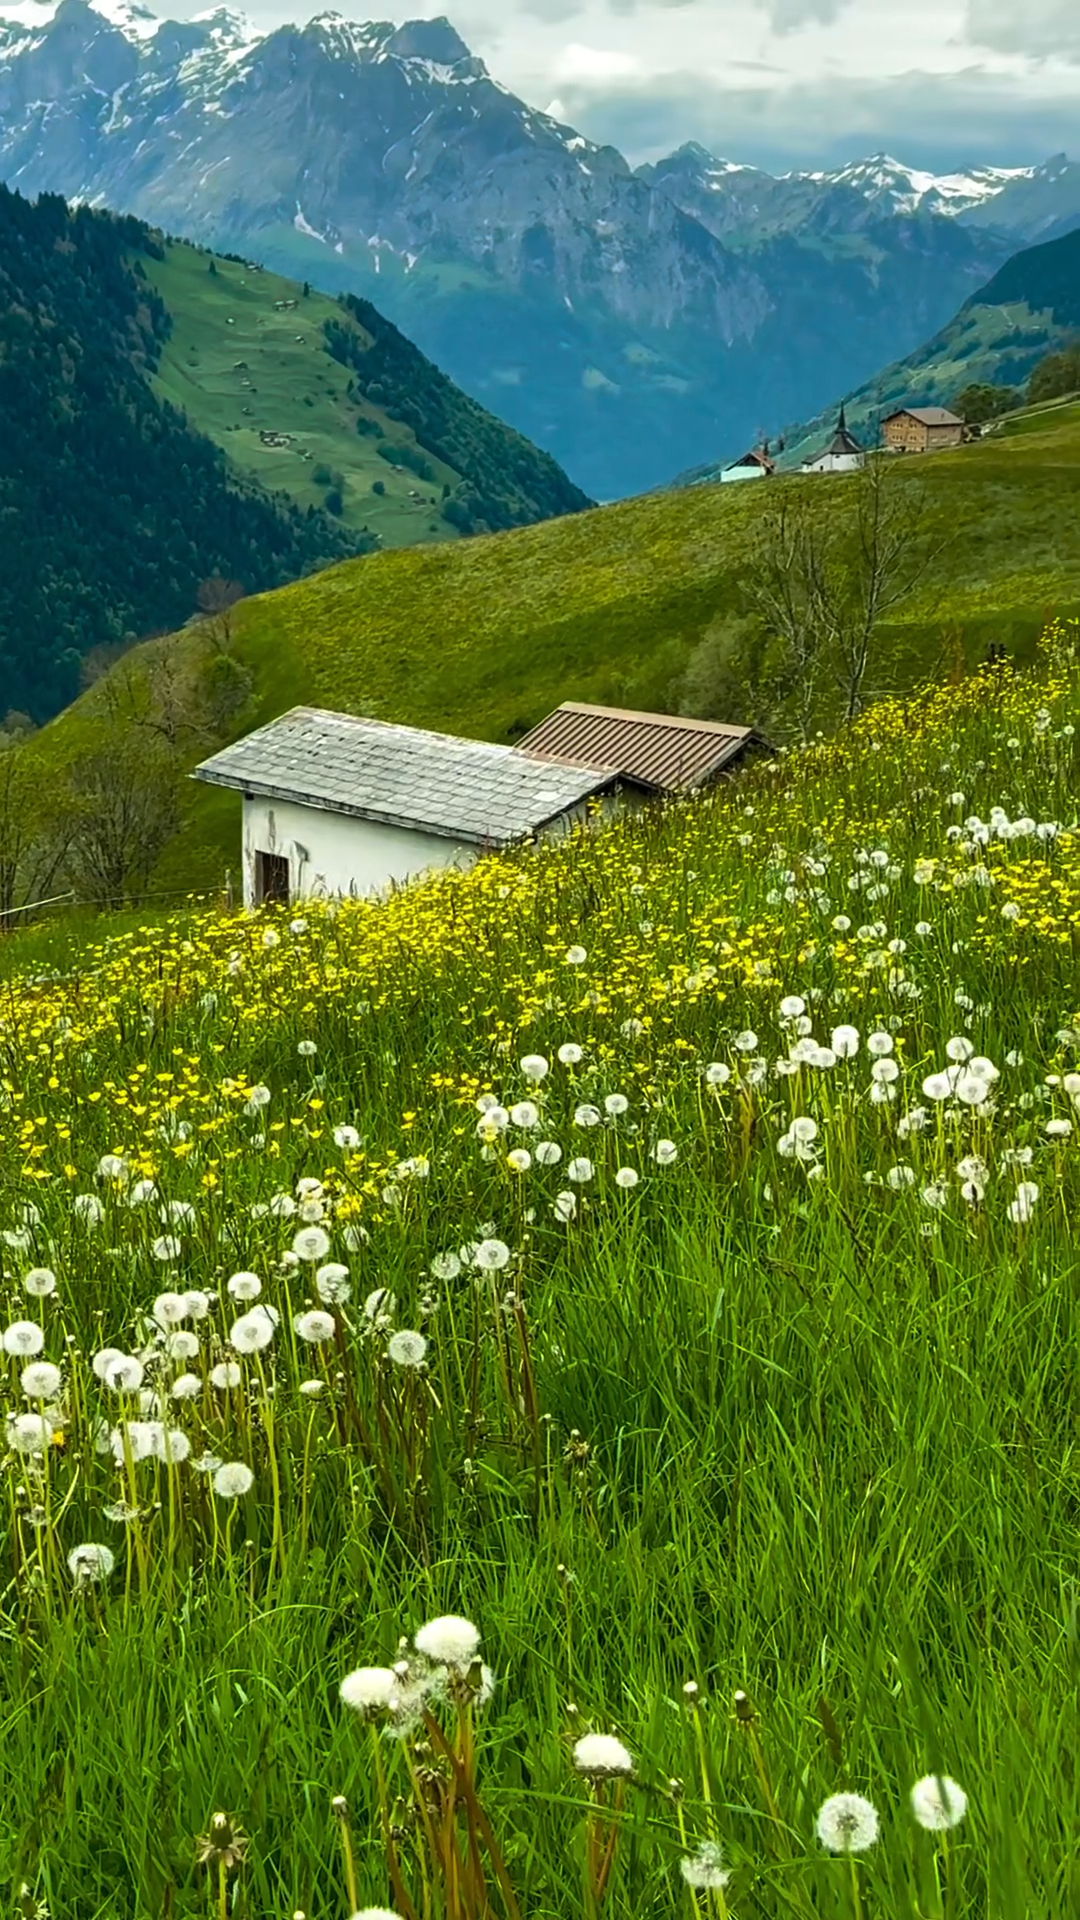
[{"x": 271, "y": 879}]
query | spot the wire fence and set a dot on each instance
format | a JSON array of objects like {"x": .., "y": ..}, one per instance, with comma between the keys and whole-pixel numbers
[{"x": 222, "y": 896}]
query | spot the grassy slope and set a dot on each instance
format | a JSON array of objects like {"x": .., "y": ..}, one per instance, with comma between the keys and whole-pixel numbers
[
  {"x": 485, "y": 636},
  {"x": 295, "y": 387},
  {"x": 995, "y": 345},
  {"x": 813, "y": 1438}
]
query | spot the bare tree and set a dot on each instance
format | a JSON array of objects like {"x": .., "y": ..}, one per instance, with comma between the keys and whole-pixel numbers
[
  {"x": 828, "y": 568},
  {"x": 786, "y": 587},
  {"x": 215, "y": 598},
  {"x": 183, "y": 690},
  {"x": 880, "y": 564},
  {"x": 126, "y": 807},
  {"x": 35, "y": 831}
]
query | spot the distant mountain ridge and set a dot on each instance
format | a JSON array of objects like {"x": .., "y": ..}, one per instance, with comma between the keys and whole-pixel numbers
[
  {"x": 622, "y": 319},
  {"x": 744, "y": 205}
]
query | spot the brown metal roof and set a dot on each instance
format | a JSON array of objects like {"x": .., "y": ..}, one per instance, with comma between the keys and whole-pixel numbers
[
  {"x": 659, "y": 750},
  {"x": 928, "y": 416}
]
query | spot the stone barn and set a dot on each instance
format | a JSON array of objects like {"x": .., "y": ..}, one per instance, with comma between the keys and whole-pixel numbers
[{"x": 333, "y": 804}]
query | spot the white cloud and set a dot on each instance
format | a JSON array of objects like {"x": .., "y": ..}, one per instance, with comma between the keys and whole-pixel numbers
[
  {"x": 788, "y": 16},
  {"x": 594, "y": 66},
  {"x": 1039, "y": 28}
]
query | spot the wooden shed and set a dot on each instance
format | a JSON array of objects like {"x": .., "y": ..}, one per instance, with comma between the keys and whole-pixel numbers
[{"x": 659, "y": 752}]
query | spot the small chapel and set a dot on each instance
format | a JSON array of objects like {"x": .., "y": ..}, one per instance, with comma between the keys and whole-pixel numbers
[{"x": 842, "y": 455}]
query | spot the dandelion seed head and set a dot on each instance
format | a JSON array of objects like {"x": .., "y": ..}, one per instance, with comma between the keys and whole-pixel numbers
[
  {"x": 368, "y": 1691},
  {"x": 40, "y": 1380},
  {"x": 252, "y": 1331},
  {"x": 705, "y": 1868},
  {"x": 449, "y": 1641},
  {"x": 90, "y": 1563},
  {"x": 23, "y": 1338},
  {"x": 40, "y": 1282},
  {"x": 243, "y": 1286},
  {"x": 847, "y": 1823},
  {"x": 29, "y": 1433},
  {"x": 491, "y": 1256},
  {"x": 332, "y": 1284},
  {"x": 124, "y": 1373},
  {"x": 380, "y": 1306},
  {"x": 406, "y": 1348},
  {"x": 938, "y": 1803},
  {"x": 311, "y": 1244},
  {"x": 600, "y": 1756},
  {"x": 233, "y": 1480},
  {"x": 315, "y": 1326}
]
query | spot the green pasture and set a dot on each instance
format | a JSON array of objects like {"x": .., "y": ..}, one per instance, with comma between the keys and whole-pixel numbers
[{"x": 238, "y": 367}]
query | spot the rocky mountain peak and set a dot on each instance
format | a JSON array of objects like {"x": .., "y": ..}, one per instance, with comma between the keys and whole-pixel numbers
[{"x": 434, "y": 40}]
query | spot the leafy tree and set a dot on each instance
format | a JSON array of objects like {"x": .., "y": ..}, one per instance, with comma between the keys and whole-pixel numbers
[
  {"x": 979, "y": 403},
  {"x": 1056, "y": 376}
]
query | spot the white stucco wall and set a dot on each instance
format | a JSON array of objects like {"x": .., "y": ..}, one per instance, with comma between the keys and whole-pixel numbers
[
  {"x": 334, "y": 853},
  {"x": 733, "y": 476},
  {"x": 835, "y": 463}
]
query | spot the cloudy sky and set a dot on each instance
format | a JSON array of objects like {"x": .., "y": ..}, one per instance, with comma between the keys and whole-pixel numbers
[{"x": 782, "y": 82}]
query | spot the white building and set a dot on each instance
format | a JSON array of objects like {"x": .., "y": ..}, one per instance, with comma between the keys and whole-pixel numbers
[
  {"x": 753, "y": 466},
  {"x": 333, "y": 804},
  {"x": 842, "y": 455}
]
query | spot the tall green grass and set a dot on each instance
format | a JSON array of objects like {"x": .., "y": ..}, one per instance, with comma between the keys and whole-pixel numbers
[{"x": 764, "y": 1464}]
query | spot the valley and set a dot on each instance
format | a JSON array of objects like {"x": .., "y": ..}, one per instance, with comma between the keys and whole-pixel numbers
[
  {"x": 484, "y": 637},
  {"x": 633, "y": 322}
]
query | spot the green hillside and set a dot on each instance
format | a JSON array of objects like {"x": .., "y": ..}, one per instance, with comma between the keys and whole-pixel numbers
[
  {"x": 113, "y": 508},
  {"x": 485, "y": 636},
  {"x": 1029, "y": 309},
  {"x": 350, "y": 403}
]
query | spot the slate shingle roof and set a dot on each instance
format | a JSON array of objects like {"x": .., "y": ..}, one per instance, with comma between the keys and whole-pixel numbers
[
  {"x": 466, "y": 790},
  {"x": 663, "y": 751}
]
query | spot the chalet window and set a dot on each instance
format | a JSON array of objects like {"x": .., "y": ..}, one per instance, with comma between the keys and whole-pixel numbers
[{"x": 271, "y": 879}]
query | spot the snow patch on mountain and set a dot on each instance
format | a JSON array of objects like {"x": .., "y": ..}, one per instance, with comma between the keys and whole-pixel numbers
[{"x": 910, "y": 189}]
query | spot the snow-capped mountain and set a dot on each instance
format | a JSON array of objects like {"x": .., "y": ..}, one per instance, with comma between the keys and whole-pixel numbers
[
  {"x": 634, "y": 323},
  {"x": 746, "y": 205}
]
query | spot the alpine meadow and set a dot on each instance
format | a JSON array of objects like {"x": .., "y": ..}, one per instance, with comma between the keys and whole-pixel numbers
[
  {"x": 555, "y": 1393},
  {"x": 540, "y": 962}
]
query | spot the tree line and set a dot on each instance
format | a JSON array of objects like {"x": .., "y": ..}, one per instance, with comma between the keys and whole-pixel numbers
[{"x": 505, "y": 481}]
